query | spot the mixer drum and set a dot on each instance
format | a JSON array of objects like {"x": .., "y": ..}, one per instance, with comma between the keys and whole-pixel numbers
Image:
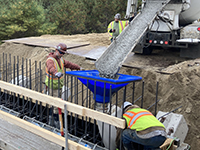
[{"x": 192, "y": 14}]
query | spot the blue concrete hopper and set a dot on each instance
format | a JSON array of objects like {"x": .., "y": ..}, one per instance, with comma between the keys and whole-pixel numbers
[{"x": 88, "y": 78}]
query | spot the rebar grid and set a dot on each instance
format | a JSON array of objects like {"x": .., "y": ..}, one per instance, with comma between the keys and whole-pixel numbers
[{"x": 32, "y": 77}]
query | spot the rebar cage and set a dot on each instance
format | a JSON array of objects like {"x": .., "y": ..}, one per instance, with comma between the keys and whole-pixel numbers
[{"x": 27, "y": 74}]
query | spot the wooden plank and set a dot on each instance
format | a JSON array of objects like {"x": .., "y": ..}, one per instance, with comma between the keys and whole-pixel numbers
[
  {"x": 41, "y": 132},
  {"x": 105, "y": 118},
  {"x": 57, "y": 102},
  {"x": 95, "y": 53},
  {"x": 17, "y": 138},
  {"x": 42, "y": 42}
]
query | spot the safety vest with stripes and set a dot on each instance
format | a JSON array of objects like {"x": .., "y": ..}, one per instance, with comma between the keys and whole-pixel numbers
[
  {"x": 49, "y": 77},
  {"x": 140, "y": 119},
  {"x": 122, "y": 25}
]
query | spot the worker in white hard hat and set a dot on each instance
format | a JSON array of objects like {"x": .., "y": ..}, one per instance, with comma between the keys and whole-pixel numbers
[
  {"x": 116, "y": 27},
  {"x": 142, "y": 131}
]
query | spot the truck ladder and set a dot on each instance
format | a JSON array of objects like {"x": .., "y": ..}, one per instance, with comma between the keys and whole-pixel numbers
[{"x": 112, "y": 59}]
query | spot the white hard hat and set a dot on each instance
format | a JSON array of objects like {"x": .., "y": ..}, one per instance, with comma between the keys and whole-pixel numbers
[
  {"x": 117, "y": 16},
  {"x": 127, "y": 104}
]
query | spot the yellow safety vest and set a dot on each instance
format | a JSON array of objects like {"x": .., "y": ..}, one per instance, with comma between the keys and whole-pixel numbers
[
  {"x": 140, "y": 119},
  {"x": 122, "y": 25},
  {"x": 49, "y": 78}
]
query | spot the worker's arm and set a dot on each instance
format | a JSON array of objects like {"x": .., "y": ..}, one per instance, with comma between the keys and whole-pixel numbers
[
  {"x": 50, "y": 67},
  {"x": 110, "y": 30},
  {"x": 132, "y": 17},
  {"x": 71, "y": 65}
]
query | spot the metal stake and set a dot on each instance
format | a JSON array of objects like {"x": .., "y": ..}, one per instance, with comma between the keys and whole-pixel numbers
[{"x": 66, "y": 128}]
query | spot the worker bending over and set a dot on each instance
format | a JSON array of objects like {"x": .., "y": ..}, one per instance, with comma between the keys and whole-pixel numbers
[
  {"x": 116, "y": 27},
  {"x": 142, "y": 132},
  {"x": 55, "y": 66}
]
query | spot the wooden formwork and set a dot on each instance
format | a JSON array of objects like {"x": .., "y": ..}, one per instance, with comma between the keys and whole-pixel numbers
[{"x": 57, "y": 102}]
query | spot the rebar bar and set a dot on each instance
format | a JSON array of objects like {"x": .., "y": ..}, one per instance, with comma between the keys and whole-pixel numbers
[
  {"x": 156, "y": 98},
  {"x": 133, "y": 93},
  {"x": 66, "y": 127},
  {"x": 80, "y": 94},
  {"x": 142, "y": 94}
]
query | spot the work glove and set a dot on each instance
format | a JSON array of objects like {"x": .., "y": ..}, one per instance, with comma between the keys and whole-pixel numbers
[
  {"x": 58, "y": 74},
  {"x": 112, "y": 30}
]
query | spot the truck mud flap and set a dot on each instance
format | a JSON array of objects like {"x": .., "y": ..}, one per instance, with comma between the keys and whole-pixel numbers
[{"x": 193, "y": 51}]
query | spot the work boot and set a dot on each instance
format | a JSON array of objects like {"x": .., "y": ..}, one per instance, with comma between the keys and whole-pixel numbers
[
  {"x": 57, "y": 124},
  {"x": 51, "y": 120},
  {"x": 56, "y": 121}
]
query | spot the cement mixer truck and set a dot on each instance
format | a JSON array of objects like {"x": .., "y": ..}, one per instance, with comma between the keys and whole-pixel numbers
[{"x": 176, "y": 26}]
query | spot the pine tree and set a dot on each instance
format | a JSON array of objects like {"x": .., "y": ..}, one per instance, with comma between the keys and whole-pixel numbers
[
  {"x": 102, "y": 13},
  {"x": 23, "y": 18},
  {"x": 69, "y": 15}
]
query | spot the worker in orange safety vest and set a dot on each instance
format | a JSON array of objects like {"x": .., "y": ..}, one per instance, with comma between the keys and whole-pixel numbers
[
  {"x": 142, "y": 132},
  {"x": 116, "y": 27}
]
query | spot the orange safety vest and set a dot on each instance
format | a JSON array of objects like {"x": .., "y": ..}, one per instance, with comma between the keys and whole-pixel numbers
[{"x": 140, "y": 119}]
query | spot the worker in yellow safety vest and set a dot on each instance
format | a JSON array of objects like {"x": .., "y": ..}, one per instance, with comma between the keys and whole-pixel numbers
[
  {"x": 116, "y": 27},
  {"x": 142, "y": 132},
  {"x": 55, "y": 65}
]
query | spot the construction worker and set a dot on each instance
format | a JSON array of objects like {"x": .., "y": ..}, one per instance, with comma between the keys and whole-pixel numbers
[
  {"x": 116, "y": 27},
  {"x": 142, "y": 131},
  {"x": 55, "y": 67}
]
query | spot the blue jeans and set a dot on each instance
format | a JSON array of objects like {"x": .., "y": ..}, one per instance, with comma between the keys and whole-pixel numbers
[{"x": 129, "y": 137}]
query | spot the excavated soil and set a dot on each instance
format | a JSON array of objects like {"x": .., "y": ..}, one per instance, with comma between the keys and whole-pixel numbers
[{"x": 179, "y": 78}]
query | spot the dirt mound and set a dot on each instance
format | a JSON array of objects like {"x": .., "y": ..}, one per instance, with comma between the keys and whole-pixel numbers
[
  {"x": 181, "y": 88},
  {"x": 179, "y": 83}
]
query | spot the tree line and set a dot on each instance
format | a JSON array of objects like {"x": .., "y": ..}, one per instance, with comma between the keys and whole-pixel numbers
[{"x": 23, "y": 18}]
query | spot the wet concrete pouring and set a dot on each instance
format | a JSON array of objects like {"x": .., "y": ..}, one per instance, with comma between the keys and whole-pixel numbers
[{"x": 118, "y": 50}]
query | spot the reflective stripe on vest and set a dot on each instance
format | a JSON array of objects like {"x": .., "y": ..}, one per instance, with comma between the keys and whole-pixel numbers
[
  {"x": 140, "y": 119},
  {"x": 110, "y": 27},
  {"x": 48, "y": 80},
  {"x": 126, "y": 23},
  {"x": 56, "y": 67},
  {"x": 50, "y": 76},
  {"x": 122, "y": 25},
  {"x": 135, "y": 116}
]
